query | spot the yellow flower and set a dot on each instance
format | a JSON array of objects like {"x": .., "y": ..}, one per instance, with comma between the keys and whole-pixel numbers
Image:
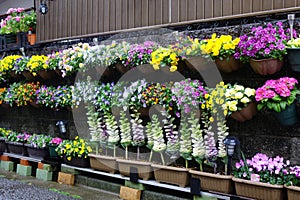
[
  {"x": 245, "y": 100},
  {"x": 69, "y": 158},
  {"x": 249, "y": 92},
  {"x": 211, "y": 119},
  {"x": 173, "y": 68},
  {"x": 238, "y": 95}
]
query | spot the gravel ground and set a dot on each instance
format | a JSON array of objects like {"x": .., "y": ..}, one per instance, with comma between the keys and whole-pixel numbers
[{"x": 10, "y": 189}]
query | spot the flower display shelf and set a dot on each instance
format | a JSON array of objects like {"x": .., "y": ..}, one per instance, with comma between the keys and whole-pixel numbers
[
  {"x": 258, "y": 190},
  {"x": 145, "y": 170},
  {"x": 77, "y": 162},
  {"x": 103, "y": 163},
  {"x": 214, "y": 182},
  {"x": 293, "y": 58},
  {"x": 47, "y": 74},
  {"x": 17, "y": 148},
  {"x": 36, "y": 152},
  {"x": 2, "y": 145},
  {"x": 288, "y": 116},
  {"x": 266, "y": 66},
  {"x": 228, "y": 64},
  {"x": 246, "y": 113},
  {"x": 173, "y": 175},
  {"x": 293, "y": 192}
]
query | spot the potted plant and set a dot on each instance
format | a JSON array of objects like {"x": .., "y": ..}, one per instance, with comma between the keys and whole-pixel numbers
[
  {"x": 75, "y": 152},
  {"x": 53, "y": 144},
  {"x": 35, "y": 64},
  {"x": 15, "y": 143},
  {"x": 37, "y": 146},
  {"x": 292, "y": 182},
  {"x": 240, "y": 102},
  {"x": 260, "y": 177},
  {"x": 264, "y": 48},
  {"x": 221, "y": 49},
  {"x": 163, "y": 57},
  {"x": 293, "y": 52},
  {"x": 3, "y": 136},
  {"x": 7, "y": 65},
  {"x": 279, "y": 96}
]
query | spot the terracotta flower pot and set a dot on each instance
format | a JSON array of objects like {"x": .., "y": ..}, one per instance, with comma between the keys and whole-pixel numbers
[
  {"x": 214, "y": 182},
  {"x": 266, "y": 66},
  {"x": 258, "y": 190},
  {"x": 228, "y": 65},
  {"x": 246, "y": 113},
  {"x": 31, "y": 38}
]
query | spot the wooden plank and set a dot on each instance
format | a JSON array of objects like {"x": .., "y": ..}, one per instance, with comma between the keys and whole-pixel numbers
[
  {"x": 60, "y": 19},
  {"x": 158, "y": 12},
  {"x": 124, "y": 14},
  {"x": 145, "y": 12},
  {"x": 165, "y": 11},
  {"x": 95, "y": 15},
  {"x": 101, "y": 16},
  {"x": 70, "y": 19},
  {"x": 191, "y": 9},
  {"x": 298, "y": 3},
  {"x": 257, "y": 5},
  {"x": 208, "y": 7},
  {"x": 138, "y": 13},
  {"x": 267, "y": 5},
  {"x": 200, "y": 9},
  {"x": 183, "y": 10},
  {"x": 130, "y": 13},
  {"x": 106, "y": 18},
  {"x": 175, "y": 10},
  {"x": 152, "y": 13},
  {"x": 112, "y": 15},
  {"x": 236, "y": 7},
  {"x": 53, "y": 13},
  {"x": 247, "y": 6},
  {"x": 278, "y": 4},
  {"x": 227, "y": 7},
  {"x": 118, "y": 14},
  {"x": 84, "y": 17},
  {"x": 89, "y": 13},
  {"x": 217, "y": 8},
  {"x": 290, "y": 3}
]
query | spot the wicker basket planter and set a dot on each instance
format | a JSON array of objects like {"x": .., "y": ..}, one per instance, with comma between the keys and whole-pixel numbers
[
  {"x": 293, "y": 192},
  {"x": 258, "y": 190},
  {"x": 145, "y": 170},
  {"x": 103, "y": 163},
  {"x": 214, "y": 182},
  {"x": 173, "y": 175}
]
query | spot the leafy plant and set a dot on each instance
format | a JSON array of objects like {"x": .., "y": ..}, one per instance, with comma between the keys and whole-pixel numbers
[{"x": 39, "y": 141}]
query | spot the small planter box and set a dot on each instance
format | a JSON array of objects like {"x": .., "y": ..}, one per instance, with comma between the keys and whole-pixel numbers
[
  {"x": 17, "y": 148},
  {"x": 173, "y": 175},
  {"x": 214, "y": 182},
  {"x": 145, "y": 170},
  {"x": 258, "y": 190},
  {"x": 293, "y": 192},
  {"x": 40, "y": 153},
  {"x": 103, "y": 163},
  {"x": 78, "y": 162}
]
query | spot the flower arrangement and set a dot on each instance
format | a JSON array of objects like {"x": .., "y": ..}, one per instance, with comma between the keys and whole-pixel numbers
[
  {"x": 293, "y": 43},
  {"x": 18, "y": 137},
  {"x": 38, "y": 140},
  {"x": 25, "y": 93},
  {"x": 63, "y": 96},
  {"x": 237, "y": 97},
  {"x": 163, "y": 57},
  {"x": 220, "y": 47},
  {"x": 55, "y": 141},
  {"x": 17, "y": 20},
  {"x": 74, "y": 148},
  {"x": 2, "y": 95},
  {"x": 52, "y": 61},
  {"x": 139, "y": 54},
  {"x": 37, "y": 63},
  {"x": 4, "y": 133},
  {"x": 263, "y": 42},
  {"x": 277, "y": 94},
  {"x": 7, "y": 63},
  {"x": 45, "y": 96},
  {"x": 73, "y": 59},
  {"x": 265, "y": 169}
]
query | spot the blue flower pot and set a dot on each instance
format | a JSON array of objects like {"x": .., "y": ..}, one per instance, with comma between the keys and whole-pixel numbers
[
  {"x": 289, "y": 116},
  {"x": 293, "y": 56}
]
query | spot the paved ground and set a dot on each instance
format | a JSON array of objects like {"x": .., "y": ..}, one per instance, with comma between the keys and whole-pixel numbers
[{"x": 15, "y": 187}]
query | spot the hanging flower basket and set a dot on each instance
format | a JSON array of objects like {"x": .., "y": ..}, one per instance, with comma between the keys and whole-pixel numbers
[
  {"x": 28, "y": 76},
  {"x": 258, "y": 190},
  {"x": 246, "y": 113},
  {"x": 214, "y": 182},
  {"x": 47, "y": 74},
  {"x": 266, "y": 66},
  {"x": 228, "y": 64},
  {"x": 103, "y": 163}
]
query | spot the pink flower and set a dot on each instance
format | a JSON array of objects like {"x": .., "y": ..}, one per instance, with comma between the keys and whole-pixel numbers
[{"x": 17, "y": 19}]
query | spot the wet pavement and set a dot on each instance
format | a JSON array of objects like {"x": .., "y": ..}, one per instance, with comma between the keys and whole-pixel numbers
[{"x": 14, "y": 186}]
